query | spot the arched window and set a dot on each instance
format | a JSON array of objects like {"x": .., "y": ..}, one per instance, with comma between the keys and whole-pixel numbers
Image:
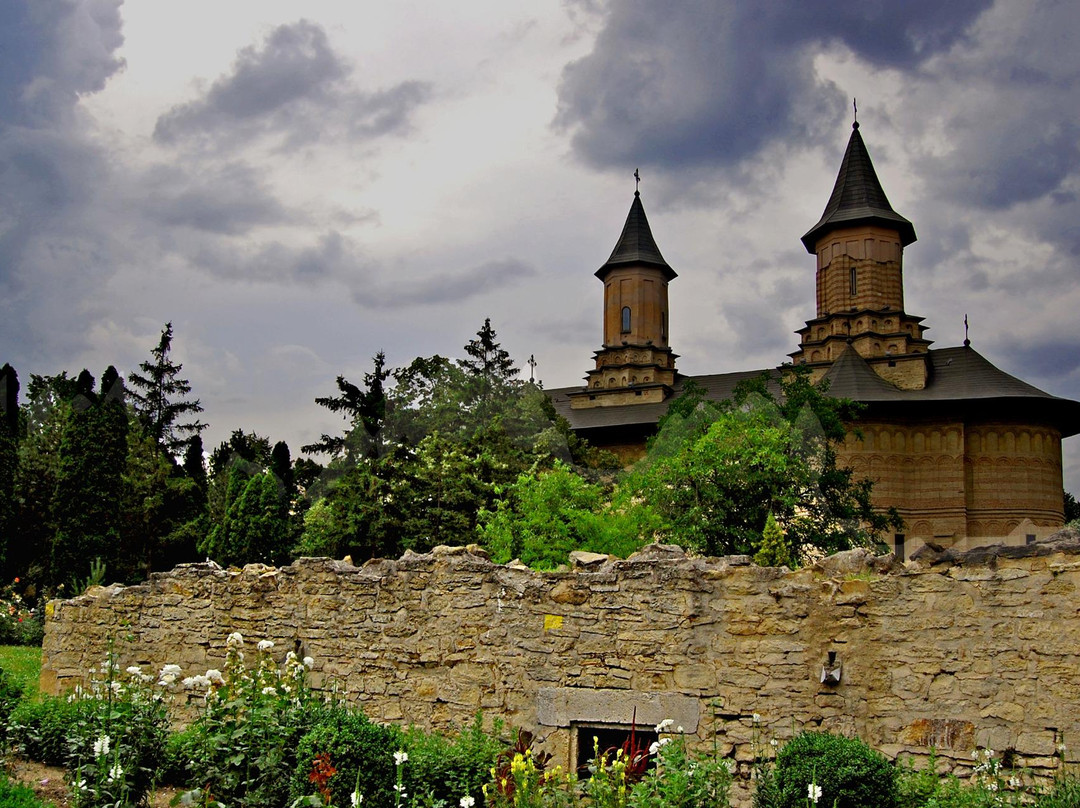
[
  {"x": 854, "y": 283},
  {"x": 626, "y": 319}
]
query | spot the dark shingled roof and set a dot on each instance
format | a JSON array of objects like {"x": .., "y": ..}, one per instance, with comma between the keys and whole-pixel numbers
[
  {"x": 958, "y": 376},
  {"x": 858, "y": 197},
  {"x": 636, "y": 245}
]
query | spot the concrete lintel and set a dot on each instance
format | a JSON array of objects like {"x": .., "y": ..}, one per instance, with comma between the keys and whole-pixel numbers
[{"x": 561, "y": 706}]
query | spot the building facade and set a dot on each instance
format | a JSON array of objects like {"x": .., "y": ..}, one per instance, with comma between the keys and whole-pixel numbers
[{"x": 966, "y": 453}]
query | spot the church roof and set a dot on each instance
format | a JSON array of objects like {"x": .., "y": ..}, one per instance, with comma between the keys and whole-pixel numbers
[
  {"x": 858, "y": 198},
  {"x": 850, "y": 377},
  {"x": 636, "y": 245},
  {"x": 958, "y": 376}
]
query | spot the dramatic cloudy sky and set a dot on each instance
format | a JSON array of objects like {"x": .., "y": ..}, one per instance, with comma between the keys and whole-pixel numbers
[{"x": 297, "y": 186}]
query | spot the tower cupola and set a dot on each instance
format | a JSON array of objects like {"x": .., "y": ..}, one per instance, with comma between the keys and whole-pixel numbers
[
  {"x": 635, "y": 364},
  {"x": 859, "y": 244}
]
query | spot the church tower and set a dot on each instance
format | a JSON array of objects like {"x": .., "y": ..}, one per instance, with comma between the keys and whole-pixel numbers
[
  {"x": 859, "y": 243},
  {"x": 636, "y": 364}
]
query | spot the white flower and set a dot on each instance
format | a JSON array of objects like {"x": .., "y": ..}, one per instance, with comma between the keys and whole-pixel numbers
[
  {"x": 265, "y": 645},
  {"x": 134, "y": 670},
  {"x": 309, "y": 663},
  {"x": 171, "y": 670},
  {"x": 355, "y": 799},
  {"x": 115, "y": 773},
  {"x": 235, "y": 640},
  {"x": 813, "y": 793},
  {"x": 679, "y": 729},
  {"x": 467, "y": 801},
  {"x": 774, "y": 742},
  {"x": 400, "y": 757},
  {"x": 80, "y": 784},
  {"x": 291, "y": 656},
  {"x": 1014, "y": 782},
  {"x": 214, "y": 675},
  {"x": 116, "y": 687},
  {"x": 399, "y": 788},
  {"x": 663, "y": 725},
  {"x": 269, "y": 691},
  {"x": 101, "y": 746},
  {"x": 757, "y": 718},
  {"x": 656, "y": 746}
]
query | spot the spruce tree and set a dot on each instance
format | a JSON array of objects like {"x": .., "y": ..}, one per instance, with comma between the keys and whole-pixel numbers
[{"x": 158, "y": 395}]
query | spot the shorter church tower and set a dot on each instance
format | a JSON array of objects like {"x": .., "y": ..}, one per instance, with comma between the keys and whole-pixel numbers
[
  {"x": 636, "y": 364},
  {"x": 859, "y": 244}
]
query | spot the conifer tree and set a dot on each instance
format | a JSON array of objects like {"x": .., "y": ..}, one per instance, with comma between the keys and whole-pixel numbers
[
  {"x": 88, "y": 501},
  {"x": 365, "y": 409},
  {"x": 9, "y": 424},
  {"x": 159, "y": 398}
]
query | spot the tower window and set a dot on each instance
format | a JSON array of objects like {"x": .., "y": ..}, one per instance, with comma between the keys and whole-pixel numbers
[
  {"x": 626, "y": 319},
  {"x": 854, "y": 282}
]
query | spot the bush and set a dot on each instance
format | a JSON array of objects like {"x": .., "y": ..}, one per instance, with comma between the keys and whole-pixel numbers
[
  {"x": 849, "y": 773},
  {"x": 11, "y": 693},
  {"x": 39, "y": 730},
  {"x": 357, "y": 748},
  {"x": 448, "y": 769}
]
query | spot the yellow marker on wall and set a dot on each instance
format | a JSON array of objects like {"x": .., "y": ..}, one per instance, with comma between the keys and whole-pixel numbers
[{"x": 552, "y": 622}]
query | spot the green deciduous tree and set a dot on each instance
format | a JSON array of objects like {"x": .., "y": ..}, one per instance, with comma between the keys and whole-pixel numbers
[
  {"x": 548, "y": 513},
  {"x": 716, "y": 473},
  {"x": 159, "y": 396}
]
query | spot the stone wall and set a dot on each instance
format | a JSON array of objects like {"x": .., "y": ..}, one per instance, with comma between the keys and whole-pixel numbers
[{"x": 949, "y": 651}]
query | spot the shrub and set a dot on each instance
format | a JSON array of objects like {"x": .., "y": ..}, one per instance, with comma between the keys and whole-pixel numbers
[
  {"x": 39, "y": 730},
  {"x": 110, "y": 735},
  {"x": 448, "y": 769},
  {"x": 19, "y": 624},
  {"x": 11, "y": 693},
  {"x": 848, "y": 772},
  {"x": 361, "y": 752}
]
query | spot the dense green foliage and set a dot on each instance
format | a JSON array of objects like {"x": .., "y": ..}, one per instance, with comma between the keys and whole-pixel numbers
[
  {"x": 360, "y": 751},
  {"x": 848, "y": 772},
  {"x": 109, "y": 483},
  {"x": 716, "y": 472},
  {"x": 548, "y": 513}
]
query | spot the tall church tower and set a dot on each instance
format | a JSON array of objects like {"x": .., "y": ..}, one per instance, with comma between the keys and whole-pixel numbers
[
  {"x": 859, "y": 243},
  {"x": 636, "y": 364}
]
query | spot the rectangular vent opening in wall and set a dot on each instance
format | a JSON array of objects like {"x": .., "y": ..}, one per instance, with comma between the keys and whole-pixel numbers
[{"x": 608, "y": 738}]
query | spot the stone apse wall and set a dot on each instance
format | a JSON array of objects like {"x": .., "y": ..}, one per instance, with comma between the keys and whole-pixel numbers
[{"x": 950, "y": 652}]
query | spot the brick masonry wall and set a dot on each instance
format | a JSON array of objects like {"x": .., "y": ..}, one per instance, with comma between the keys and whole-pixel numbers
[{"x": 949, "y": 651}]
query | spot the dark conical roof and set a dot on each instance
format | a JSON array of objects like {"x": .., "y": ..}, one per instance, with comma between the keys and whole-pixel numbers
[
  {"x": 857, "y": 198},
  {"x": 636, "y": 244},
  {"x": 850, "y": 377}
]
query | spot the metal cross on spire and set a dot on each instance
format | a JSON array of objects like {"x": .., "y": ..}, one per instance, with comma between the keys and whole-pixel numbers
[
  {"x": 637, "y": 181},
  {"x": 532, "y": 369},
  {"x": 855, "y": 111},
  {"x": 967, "y": 342}
]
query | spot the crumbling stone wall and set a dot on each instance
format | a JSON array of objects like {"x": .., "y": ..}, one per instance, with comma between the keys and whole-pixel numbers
[{"x": 950, "y": 651}]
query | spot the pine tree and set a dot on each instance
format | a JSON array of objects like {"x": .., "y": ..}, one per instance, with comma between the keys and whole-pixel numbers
[{"x": 158, "y": 396}]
